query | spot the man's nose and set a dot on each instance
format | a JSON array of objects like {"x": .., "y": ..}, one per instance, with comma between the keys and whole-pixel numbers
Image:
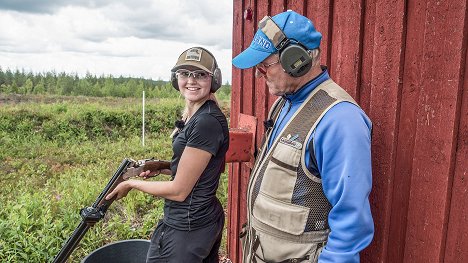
[{"x": 258, "y": 73}]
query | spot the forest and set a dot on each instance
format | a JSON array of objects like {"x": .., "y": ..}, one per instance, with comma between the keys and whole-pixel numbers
[{"x": 53, "y": 83}]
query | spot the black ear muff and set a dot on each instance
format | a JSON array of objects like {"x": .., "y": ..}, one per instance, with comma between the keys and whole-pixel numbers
[
  {"x": 295, "y": 60},
  {"x": 216, "y": 80},
  {"x": 174, "y": 82},
  {"x": 293, "y": 56}
]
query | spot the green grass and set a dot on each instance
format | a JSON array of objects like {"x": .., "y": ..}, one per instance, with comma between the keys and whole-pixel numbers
[{"x": 57, "y": 156}]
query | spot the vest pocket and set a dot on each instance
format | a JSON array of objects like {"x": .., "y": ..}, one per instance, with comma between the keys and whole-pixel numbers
[
  {"x": 280, "y": 215},
  {"x": 279, "y": 177},
  {"x": 287, "y": 155},
  {"x": 271, "y": 249}
]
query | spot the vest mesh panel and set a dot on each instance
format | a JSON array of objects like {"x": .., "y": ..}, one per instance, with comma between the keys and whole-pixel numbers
[{"x": 309, "y": 193}]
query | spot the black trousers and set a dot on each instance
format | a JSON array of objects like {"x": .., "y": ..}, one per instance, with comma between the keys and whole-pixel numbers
[{"x": 175, "y": 246}]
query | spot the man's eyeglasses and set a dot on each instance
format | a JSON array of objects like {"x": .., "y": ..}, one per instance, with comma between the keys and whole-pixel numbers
[
  {"x": 184, "y": 74},
  {"x": 262, "y": 68}
]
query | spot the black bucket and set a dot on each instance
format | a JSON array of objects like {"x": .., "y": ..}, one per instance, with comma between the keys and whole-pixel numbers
[{"x": 125, "y": 251}]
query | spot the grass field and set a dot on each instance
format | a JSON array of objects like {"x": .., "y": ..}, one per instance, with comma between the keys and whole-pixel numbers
[{"x": 57, "y": 154}]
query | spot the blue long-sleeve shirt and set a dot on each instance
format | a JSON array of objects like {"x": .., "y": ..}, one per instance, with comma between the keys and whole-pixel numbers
[{"x": 342, "y": 146}]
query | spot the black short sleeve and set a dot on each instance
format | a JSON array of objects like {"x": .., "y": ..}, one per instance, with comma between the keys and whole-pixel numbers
[{"x": 206, "y": 134}]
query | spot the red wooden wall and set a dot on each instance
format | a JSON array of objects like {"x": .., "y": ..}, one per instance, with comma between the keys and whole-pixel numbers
[{"x": 405, "y": 62}]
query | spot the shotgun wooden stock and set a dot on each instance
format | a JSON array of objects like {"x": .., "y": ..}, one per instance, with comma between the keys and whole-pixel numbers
[{"x": 151, "y": 165}]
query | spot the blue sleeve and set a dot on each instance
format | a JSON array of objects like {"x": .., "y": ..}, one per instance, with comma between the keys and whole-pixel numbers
[{"x": 342, "y": 144}]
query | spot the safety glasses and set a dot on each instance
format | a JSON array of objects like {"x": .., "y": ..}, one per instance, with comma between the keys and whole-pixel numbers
[
  {"x": 262, "y": 68},
  {"x": 184, "y": 74}
]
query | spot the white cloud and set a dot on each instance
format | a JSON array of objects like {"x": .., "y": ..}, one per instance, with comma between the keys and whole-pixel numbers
[{"x": 131, "y": 38}]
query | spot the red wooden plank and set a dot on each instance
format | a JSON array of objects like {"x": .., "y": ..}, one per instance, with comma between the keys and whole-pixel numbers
[
  {"x": 436, "y": 130},
  {"x": 277, "y": 7},
  {"x": 296, "y": 5},
  {"x": 346, "y": 46},
  {"x": 384, "y": 107},
  {"x": 236, "y": 104},
  {"x": 456, "y": 247},
  {"x": 232, "y": 245},
  {"x": 248, "y": 95},
  {"x": 261, "y": 90},
  {"x": 248, "y": 107},
  {"x": 237, "y": 47},
  {"x": 407, "y": 130},
  {"x": 367, "y": 55},
  {"x": 319, "y": 12}
]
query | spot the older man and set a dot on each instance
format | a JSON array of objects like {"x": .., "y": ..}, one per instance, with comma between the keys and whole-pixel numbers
[{"x": 308, "y": 192}]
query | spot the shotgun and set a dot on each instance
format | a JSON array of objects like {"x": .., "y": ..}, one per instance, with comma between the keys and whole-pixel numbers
[{"x": 92, "y": 214}]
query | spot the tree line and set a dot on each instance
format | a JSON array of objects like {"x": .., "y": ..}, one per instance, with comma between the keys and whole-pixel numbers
[{"x": 22, "y": 82}]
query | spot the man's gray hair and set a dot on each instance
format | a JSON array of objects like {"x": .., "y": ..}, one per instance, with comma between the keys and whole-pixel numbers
[{"x": 315, "y": 55}]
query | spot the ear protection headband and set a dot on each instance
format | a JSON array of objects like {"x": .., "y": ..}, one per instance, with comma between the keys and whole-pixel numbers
[
  {"x": 293, "y": 56},
  {"x": 216, "y": 78}
]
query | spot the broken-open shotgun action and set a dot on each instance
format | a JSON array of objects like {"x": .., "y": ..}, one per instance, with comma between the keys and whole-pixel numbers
[{"x": 90, "y": 215}]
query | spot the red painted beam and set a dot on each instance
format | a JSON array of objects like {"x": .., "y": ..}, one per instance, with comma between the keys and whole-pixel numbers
[
  {"x": 407, "y": 129},
  {"x": 261, "y": 90},
  {"x": 384, "y": 112},
  {"x": 436, "y": 129},
  {"x": 296, "y": 5},
  {"x": 456, "y": 247},
  {"x": 346, "y": 46},
  {"x": 240, "y": 142},
  {"x": 368, "y": 25},
  {"x": 232, "y": 244},
  {"x": 319, "y": 12}
]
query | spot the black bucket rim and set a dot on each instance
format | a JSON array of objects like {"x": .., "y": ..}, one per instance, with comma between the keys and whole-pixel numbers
[{"x": 112, "y": 244}]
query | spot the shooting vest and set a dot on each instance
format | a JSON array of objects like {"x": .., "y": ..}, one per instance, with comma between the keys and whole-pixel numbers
[{"x": 286, "y": 207}]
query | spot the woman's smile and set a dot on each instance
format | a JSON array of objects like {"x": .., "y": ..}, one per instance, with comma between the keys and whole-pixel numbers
[{"x": 193, "y": 88}]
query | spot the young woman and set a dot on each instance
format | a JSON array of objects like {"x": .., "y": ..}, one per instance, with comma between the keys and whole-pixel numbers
[{"x": 191, "y": 229}]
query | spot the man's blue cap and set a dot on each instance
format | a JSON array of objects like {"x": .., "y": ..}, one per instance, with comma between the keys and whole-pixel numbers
[{"x": 293, "y": 25}]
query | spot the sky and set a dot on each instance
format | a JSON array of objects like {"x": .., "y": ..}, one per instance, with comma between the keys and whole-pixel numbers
[{"x": 133, "y": 38}]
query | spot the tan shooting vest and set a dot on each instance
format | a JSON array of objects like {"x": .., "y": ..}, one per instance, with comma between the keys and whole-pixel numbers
[{"x": 286, "y": 207}]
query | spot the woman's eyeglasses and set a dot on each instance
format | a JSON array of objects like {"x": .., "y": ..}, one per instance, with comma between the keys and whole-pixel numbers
[{"x": 184, "y": 74}]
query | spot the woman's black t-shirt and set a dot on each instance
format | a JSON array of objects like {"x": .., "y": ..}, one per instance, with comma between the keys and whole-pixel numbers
[{"x": 207, "y": 130}]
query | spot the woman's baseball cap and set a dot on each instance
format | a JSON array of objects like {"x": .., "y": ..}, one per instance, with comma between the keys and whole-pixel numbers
[{"x": 198, "y": 57}]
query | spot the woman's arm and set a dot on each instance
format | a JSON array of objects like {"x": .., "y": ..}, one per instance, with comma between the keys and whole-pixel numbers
[{"x": 192, "y": 164}]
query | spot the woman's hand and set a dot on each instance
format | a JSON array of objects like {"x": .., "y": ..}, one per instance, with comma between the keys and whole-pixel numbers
[
  {"x": 120, "y": 191},
  {"x": 148, "y": 174}
]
